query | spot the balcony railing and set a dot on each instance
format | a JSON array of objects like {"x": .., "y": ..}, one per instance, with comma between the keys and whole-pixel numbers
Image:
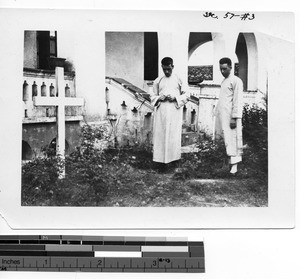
[{"x": 42, "y": 83}]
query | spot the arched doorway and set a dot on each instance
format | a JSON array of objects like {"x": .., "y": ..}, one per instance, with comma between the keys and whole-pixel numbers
[
  {"x": 27, "y": 153},
  {"x": 246, "y": 51},
  {"x": 241, "y": 52},
  {"x": 201, "y": 57}
]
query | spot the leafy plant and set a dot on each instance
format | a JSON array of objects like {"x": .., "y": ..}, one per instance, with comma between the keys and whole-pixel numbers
[
  {"x": 211, "y": 161},
  {"x": 39, "y": 178},
  {"x": 255, "y": 135},
  {"x": 126, "y": 176}
]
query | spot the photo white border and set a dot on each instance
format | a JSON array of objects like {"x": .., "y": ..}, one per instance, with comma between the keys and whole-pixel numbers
[{"x": 279, "y": 213}]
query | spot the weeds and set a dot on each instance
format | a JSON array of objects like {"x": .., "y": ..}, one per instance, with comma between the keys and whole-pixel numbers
[{"x": 101, "y": 176}]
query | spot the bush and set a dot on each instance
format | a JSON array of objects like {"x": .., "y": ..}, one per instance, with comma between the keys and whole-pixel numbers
[
  {"x": 255, "y": 126},
  {"x": 138, "y": 156},
  {"x": 255, "y": 135},
  {"x": 86, "y": 166},
  {"x": 93, "y": 173},
  {"x": 211, "y": 160},
  {"x": 86, "y": 173},
  {"x": 39, "y": 178}
]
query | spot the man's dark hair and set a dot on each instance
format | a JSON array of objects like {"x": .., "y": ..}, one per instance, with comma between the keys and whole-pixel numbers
[
  {"x": 225, "y": 60},
  {"x": 167, "y": 61}
]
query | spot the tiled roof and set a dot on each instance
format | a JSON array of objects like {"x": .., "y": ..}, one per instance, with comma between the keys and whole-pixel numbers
[{"x": 129, "y": 86}]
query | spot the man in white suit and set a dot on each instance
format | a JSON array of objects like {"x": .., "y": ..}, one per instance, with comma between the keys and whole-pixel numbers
[
  {"x": 229, "y": 114},
  {"x": 168, "y": 99}
]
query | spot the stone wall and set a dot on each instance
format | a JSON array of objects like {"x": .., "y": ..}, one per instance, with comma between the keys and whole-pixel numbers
[
  {"x": 40, "y": 135},
  {"x": 130, "y": 115}
]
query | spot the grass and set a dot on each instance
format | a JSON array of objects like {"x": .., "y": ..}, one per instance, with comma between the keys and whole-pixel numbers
[
  {"x": 134, "y": 181},
  {"x": 127, "y": 177}
]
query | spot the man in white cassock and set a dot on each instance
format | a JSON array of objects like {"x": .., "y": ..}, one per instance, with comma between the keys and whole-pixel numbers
[
  {"x": 168, "y": 99},
  {"x": 229, "y": 112}
]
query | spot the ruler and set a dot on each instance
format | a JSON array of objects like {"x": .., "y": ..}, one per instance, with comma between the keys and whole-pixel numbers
[{"x": 100, "y": 254}]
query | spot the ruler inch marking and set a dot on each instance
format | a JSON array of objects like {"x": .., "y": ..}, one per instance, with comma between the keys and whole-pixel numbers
[
  {"x": 60, "y": 253},
  {"x": 165, "y": 254}
]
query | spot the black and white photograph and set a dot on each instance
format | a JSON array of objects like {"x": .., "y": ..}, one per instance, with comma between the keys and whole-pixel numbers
[
  {"x": 133, "y": 120},
  {"x": 149, "y": 112},
  {"x": 181, "y": 120}
]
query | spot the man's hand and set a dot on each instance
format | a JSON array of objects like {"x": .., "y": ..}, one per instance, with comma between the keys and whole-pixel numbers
[
  {"x": 170, "y": 98},
  {"x": 233, "y": 123}
]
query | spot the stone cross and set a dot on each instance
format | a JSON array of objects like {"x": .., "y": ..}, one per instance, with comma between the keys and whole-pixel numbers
[{"x": 60, "y": 102}]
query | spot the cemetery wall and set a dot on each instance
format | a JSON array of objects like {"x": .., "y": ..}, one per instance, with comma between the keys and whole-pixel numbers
[{"x": 40, "y": 135}]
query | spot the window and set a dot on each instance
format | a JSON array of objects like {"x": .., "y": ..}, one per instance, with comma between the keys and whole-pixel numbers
[
  {"x": 151, "y": 56},
  {"x": 47, "y": 47}
]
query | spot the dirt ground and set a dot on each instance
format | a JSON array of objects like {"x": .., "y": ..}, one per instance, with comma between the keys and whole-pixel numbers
[{"x": 162, "y": 190}]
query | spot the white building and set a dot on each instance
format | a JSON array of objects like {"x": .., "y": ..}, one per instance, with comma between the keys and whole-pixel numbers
[{"x": 120, "y": 95}]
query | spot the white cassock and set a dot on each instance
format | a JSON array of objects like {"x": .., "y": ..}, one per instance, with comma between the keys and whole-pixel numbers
[
  {"x": 167, "y": 126},
  {"x": 230, "y": 105}
]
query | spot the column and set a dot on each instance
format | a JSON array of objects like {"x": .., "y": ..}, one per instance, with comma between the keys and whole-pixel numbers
[
  {"x": 164, "y": 48},
  {"x": 175, "y": 45},
  {"x": 219, "y": 52},
  {"x": 224, "y": 46}
]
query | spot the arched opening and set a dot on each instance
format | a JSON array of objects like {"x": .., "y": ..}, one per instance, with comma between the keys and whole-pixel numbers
[
  {"x": 150, "y": 55},
  {"x": 201, "y": 57},
  {"x": 246, "y": 51},
  {"x": 27, "y": 153},
  {"x": 252, "y": 60},
  {"x": 184, "y": 113},
  {"x": 147, "y": 121},
  {"x": 242, "y": 54},
  {"x": 193, "y": 116}
]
